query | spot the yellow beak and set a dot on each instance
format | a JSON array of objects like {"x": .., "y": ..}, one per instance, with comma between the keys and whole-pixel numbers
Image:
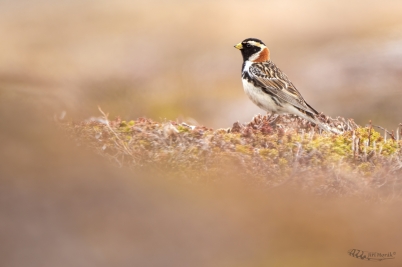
[{"x": 239, "y": 46}]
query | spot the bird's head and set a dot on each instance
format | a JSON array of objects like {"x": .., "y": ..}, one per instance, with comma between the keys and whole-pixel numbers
[{"x": 253, "y": 50}]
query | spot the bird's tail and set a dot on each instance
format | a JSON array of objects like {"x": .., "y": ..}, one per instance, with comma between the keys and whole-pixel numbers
[
  {"x": 326, "y": 126},
  {"x": 314, "y": 117}
]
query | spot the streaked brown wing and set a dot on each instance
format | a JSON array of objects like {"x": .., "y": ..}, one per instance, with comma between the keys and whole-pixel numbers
[{"x": 274, "y": 81}]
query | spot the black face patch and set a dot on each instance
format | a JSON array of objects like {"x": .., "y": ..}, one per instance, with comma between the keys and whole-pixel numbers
[{"x": 248, "y": 49}]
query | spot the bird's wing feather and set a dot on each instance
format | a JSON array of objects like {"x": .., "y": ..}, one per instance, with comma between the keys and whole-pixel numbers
[{"x": 276, "y": 83}]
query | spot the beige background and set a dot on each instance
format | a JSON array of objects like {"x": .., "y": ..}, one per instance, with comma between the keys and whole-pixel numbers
[{"x": 175, "y": 59}]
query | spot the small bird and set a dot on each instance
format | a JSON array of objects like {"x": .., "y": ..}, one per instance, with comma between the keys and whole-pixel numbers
[{"x": 269, "y": 88}]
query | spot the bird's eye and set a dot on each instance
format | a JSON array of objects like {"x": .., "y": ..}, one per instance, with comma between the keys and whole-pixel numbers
[{"x": 248, "y": 45}]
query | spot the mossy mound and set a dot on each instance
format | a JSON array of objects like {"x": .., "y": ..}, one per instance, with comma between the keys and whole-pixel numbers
[{"x": 267, "y": 151}]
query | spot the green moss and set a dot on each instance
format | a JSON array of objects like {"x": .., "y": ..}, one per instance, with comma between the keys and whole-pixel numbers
[
  {"x": 244, "y": 149},
  {"x": 341, "y": 145},
  {"x": 182, "y": 129},
  {"x": 266, "y": 152},
  {"x": 389, "y": 148},
  {"x": 364, "y": 133},
  {"x": 231, "y": 137},
  {"x": 125, "y": 127}
]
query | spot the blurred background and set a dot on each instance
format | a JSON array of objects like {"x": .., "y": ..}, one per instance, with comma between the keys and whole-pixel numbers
[
  {"x": 63, "y": 206},
  {"x": 175, "y": 59}
]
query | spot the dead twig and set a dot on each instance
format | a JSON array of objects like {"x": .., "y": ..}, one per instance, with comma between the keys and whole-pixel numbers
[
  {"x": 121, "y": 142},
  {"x": 386, "y": 131}
]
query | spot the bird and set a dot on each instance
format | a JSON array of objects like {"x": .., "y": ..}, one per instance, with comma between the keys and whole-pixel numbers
[{"x": 269, "y": 88}]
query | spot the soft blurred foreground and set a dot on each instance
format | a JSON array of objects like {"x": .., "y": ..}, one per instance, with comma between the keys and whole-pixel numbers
[{"x": 62, "y": 205}]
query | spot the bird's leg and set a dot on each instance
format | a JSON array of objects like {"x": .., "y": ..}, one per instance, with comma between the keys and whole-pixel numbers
[
  {"x": 276, "y": 116},
  {"x": 270, "y": 115}
]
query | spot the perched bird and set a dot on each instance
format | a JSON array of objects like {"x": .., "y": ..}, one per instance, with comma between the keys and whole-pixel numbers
[{"x": 269, "y": 88}]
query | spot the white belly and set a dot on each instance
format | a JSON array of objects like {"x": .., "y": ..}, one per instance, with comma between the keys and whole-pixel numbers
[{"x": 261, "y": 99}]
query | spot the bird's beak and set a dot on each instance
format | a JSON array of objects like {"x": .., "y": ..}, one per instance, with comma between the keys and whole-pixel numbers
[{"x": 239, "y": 46}]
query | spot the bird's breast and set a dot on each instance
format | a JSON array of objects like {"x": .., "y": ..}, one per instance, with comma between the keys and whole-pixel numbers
[{"x": 259, "y": 97}]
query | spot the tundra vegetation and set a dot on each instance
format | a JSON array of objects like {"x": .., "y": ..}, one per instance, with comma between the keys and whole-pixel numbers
[{"x": 269, "y": 152}]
